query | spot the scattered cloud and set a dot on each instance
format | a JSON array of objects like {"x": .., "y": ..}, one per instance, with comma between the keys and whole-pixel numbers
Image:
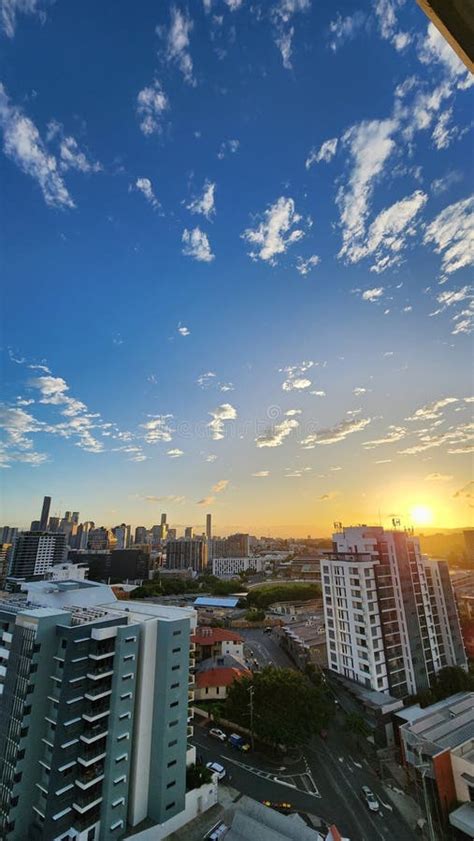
[
  {"x": 152, "y": 103},
  {"x": 320, "y": 393},
  {"x": 221, "y": 414},
  {"x": 434, "y": 48},
  {"x": 394, "y": 433},
  {"x": 207, "y": 500},
  {"x": 22, "y": 143},
  {"x": 273, "y": 235},
  {"x": 261, "y": 474},
  {"x": 220, "y": 486},
  {"x": 172, "y": 498},
  {"x": 466, "y": 492},
  {"x": 327, "y": 496},
  {"x": 157, "y": 429},
  {"x": 205, "y": 203},
  {"x": 372, "y": 294},
  {"x": 196, "y": 245},
  {"x": 444, "y": 132},
  {"x": 70, "y": 155},
  {"x": 183, "y": 331},
  {"x": 388, "y": 233},
  {"x": 359, "y": 391},
  {"x": 386, "y": 16},
  {"x": 206, "y": 380},
  {"x": 335, "y": 434},
  {"x": 281, "y": 15},
  {"x": 452, "y": 235},
  {"x": 144, "y": 186},
  {"x": 438, "y": 477},
  {"x": 275, "y": 435},
  {"x": 9, "y": 9},
  {"x": 304, "y": 266},
  {"x": 295, "y": 379},
  {"x": 432, "y": 411},
  {"x": 175, "y": 453},
  {"x": 177, "y": 43},
  {"x": 345, "y": 29},
  {"x": 228, "y": 147},
  {"x": 443, "y": 184},
  {"x": 325, "y": 153}
]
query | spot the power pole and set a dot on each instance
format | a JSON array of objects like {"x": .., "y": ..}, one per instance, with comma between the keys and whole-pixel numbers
[{"x": 251, "y": 691}]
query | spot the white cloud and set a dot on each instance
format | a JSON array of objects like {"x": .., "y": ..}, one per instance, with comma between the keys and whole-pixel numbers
[
  {"x": 205, "y": 203},
  {"x": 281, "y": 14},
  {"x": 158, "y": 429},
  {"x": 318, "y": 393},
  {"x": 196, "y": 244},
  {"x": 335, "y": 434},
  {"x": 207, "y": 500},
  {"x": 23, "y": 144},
  {"x": 224, "y": 412},
  {"x": 144, "y": 186},
  {"x": 394, "y": 433},
  {"x": 325, "y": 153},
  {"x": 152, "y": 102},
  {"x": 272, "y": 236},
  {"x": 372, "y": 294},
  {"x": 176, "y": 453},
  {"x": 304, "y": 266},
  {"x": 387, "y": 235},
  {"x": 275, "y": 435},
  {"x": 228, "y": 147},
  {"x": 206, "y": 380},
  {"x": 220, "y": 486},
  {"x": 454, "y": 296},
  {"x": 10, "y": 8},
  {"x": 432, "y": 411},
  {"x": 183, "y": 331},
  {"x": 359, "y": 391},
  {"x": 295, "y": 381},
  {"x": 441, "y": 185},
  {"x": 177, "y": 43},
  {"x": 458, "y": 440},
  {"x": 261, "y": 474},
  {"x": 385, "y": 12},
  {"x": 226, "y": 387},
  {"x": 53, "y": 391},
  {"x": 452, "y": 233},
  {"x": 70, "y": 155},
  {"x": 444, "y": 133},
  {"x": 435, "y": 48},
  {"x": 345, "y": 29},
  {"x": 370, "y": 145}
]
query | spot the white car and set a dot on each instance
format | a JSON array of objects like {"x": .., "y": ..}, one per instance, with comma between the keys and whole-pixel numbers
[
  {"x": 370, "y": 799},
  {"x": 216, "y": 769},
  {"x": 218, "y": 734}
]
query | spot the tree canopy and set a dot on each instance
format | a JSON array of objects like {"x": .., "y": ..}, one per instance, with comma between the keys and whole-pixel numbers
[
  {"x": 447, "y": 682},
  {"x": 287, "y": 708},
  {"x": 285, "y": 592}
]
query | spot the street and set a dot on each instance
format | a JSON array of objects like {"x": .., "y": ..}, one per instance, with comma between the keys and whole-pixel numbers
[
  {"x": 325, "y": 780},
  {"x": 265, "y": 648}
]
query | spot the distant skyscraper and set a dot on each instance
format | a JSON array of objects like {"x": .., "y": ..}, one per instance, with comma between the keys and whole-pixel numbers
[
  {"x": 45, "y": 513},
  {"x": 53, "y": 524},
  {"x": 163, "y": 519},
  {"x": 7, "y": 534},
  {"x": 171, "y": 534},
  {"x": 34, "y": 553},
  {"x": 140, "y": 534},
  {"x": 35, "y": 525},
  {"x": 187, "y": 553},
  {"x": 75, "y": 517},
  {"x": 188, "y": 532},
  {"x": 390, "y": 614},
  {"x": 208, "y": 526}
]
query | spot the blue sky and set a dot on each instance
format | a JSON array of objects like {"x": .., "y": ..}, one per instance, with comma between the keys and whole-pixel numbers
[{"x": 237, "y": 262}]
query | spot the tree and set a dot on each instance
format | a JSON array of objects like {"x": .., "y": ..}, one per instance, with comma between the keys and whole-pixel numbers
[
  {"x": 197, "y": 776},
  {"x": 285, "y": 592},
  {"x": 287, "y": 708},
  {"x": 255, "y": 615},
  {"x": 450, "y": 680},
  {"x": 356, "y": 725}
]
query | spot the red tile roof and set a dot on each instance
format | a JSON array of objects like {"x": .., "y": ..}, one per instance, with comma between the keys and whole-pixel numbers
[
  {"x": 205, "y": 635},
  {"x": 220, "y": 677}
]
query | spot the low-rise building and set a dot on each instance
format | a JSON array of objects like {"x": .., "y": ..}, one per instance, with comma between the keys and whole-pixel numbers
[
  {"x": 232, "y": 567},
  {"x": 214, "y": 676},
  {"x": 216, "y": 642},
  {"x": 306, "y": 642},
  {"x": 292, "y": 610},
  {"x": 306, "y": 568},
  {"x": 437, "y": 743}
]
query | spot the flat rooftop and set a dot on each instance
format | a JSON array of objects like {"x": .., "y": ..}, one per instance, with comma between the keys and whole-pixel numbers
[{"x": 447, "y": 724}]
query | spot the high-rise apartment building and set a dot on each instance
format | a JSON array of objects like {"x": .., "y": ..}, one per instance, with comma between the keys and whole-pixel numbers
[
  {"x": 234, "y": 546},
  {"x": 141, "y": 534},
  {"x": 45, "y": 513},
  {"x": 7, "y": 534},
  {"x": 101, "y": 538},
  {"x": 122, "y": 536},
  {"x": 34, "y": 553},
  {"x": 390, "y": 615},
  {"x": 208, "y": 526},
  {"x": 187, "y": 553},
  {"x": 94, "y": 717}
]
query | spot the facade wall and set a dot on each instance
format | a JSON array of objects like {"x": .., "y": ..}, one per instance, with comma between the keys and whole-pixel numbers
[{"x": 444, "y": 779}]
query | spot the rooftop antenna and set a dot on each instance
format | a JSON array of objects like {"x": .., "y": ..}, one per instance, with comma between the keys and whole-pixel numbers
[{"x": 396, "y": 522}]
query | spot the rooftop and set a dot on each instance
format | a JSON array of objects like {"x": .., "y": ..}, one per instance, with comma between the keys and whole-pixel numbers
[
  {"x": 206, "y": 601},
  {"x": 220, "y": 676},
  {"x": 254, "y": 821},
  {"x": 205, "y": 635},
  {"x": 447, "y": 724}
]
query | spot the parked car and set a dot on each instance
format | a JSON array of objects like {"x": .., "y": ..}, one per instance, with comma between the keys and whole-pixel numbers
[
  {"x": 216, "y": 769},
  {"x": 236, "y": 741},
  {"x": 370, "y": 799},
  {"x": 218, "y": 734},
  {"x": 218, "y": 831}
]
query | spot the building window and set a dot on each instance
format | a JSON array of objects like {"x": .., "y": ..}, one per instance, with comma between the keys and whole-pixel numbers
[
  {"x": 170, "y": 806},
  {"x": 171, "y": 784},
  {"x": 176, "y": 650},
  {"x": 170, "y": 764},
  {"x": 173, "y": 723},
  {"x": 174, "y": 704},
  {"x": 176, "y": 633},
  {"x": 173, "y": 743}
]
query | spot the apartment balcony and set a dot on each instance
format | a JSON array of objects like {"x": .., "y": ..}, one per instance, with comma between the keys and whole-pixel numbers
[
  {"x": 92, "y": 734},
  {"x": 92, "y": 755},
  {"x": 101, "y": 690},
  {"x": 96, "y": 712},
  {"x": 102, "y": 652},
  {"x": 100, "y": 673},
  {"x": 87, "y": 801},
  {"x": 83, "y": 822},
  {"x": 191, "y": 695},
  {"x": 90, "y": 776}
]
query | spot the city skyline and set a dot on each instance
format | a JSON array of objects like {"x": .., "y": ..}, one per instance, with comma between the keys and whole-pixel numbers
[{"x": 245, "y": 293}]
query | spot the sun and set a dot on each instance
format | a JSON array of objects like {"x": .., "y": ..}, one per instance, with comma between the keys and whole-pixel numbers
[{"x": 421, "y": 515}]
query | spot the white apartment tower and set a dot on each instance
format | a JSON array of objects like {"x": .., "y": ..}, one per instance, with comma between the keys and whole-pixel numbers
[{"x": 390, "y": 614}]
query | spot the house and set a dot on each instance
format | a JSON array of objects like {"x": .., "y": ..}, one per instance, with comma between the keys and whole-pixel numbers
[
  {"x": 215, "y": 675},
  {"x": 216, "y": 642}
]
